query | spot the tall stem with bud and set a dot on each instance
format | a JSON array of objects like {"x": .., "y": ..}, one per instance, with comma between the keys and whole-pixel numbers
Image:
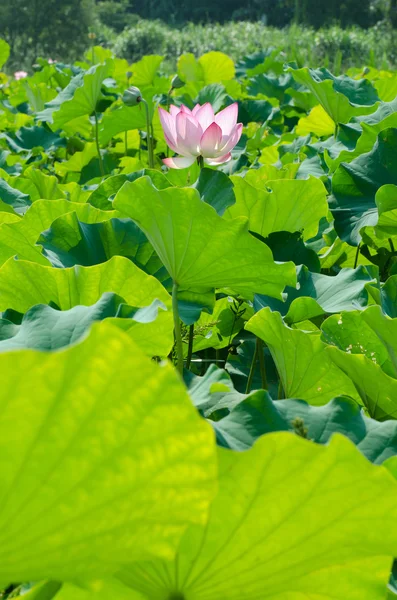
[
  {"x": 149, "y": 135},
  {"x": 177, "y": 329},
  {"x": 132, "y": 97},
  {"x": 98, "y": 149}
]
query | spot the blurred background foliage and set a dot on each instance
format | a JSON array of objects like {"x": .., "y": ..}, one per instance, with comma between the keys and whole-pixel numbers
[{"x": 340, "y": 33}]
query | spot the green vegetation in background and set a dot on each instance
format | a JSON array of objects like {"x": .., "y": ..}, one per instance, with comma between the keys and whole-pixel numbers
[
  {"x": 344, "y": 35},
  {"x": 198, "y": 394}
]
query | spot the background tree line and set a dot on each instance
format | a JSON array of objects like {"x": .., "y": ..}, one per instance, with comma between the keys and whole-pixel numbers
[
  {"x": 59, "y": 28},
  {"x": 279, "y": 13}
]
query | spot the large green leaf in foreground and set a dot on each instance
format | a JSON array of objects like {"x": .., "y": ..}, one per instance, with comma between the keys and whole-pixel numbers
[
  {"x": 303, "y": 365},
  {"x": 199, "y": 249},
  {"x": 24, "y": 284},
  {"x": 292, "y": 520},
  {"x": 96, "y": 470}
]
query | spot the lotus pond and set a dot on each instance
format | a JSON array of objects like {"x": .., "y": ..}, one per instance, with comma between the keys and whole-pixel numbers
[{"x": 198, "y": 332}]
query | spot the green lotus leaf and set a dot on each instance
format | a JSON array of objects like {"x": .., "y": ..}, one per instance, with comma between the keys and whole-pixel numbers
[
  {"x": 214, "y": 93},
  {"x": 41, "y": 186},
  {"x": 215, "y": 188},
  {"x": 258, "y": 62},
  {"x": 189, "y": 69},
  {"x": 285, "y": 524},
  {"x": 377, "y": 390},
  {"x": 384, "y": 112},
  {"x": 201, "y": 388},
  {"x": 77, "y": 162},
  {"x": 364, "y": 346},
  {"x": 29, "y": 138},
  {"x": 19, "y": 238},
  {"x": 9, "y": 217},
  {"x": 301, "y": 358},
  {"x": 258, "y": 178},
  {"x": 250, "y": 111},
  {"x": 386, "y": 201},
  {"x": 270, "y": 85},
  {"x": 123, "y": 118},
  {"x": 384, "y": 118},
  {"x": 367, "y": 332},
  {"x": 318, "y": 294},
  {"x": 133, "y": 467},
  {"x": 43, "y": 591},
  {"x": 257, "y": 414},
  {"x": 216, "y": 67},
  {"x": 386, "y": 296},
  {"x": 199, "y": 249},
  {"x": 78, "y": 98},
  {"x": 103, "y": 196},
  {"x": 145, "y": 70},
  {"x": 18, "y": 201},
  {"x": 341, "y": 97},
  {"x": 290, "y": 205},
  {"x": 100, "y": 589},
  {"x": 287, "y": 246},
  {"x": 355, "y": 185},
  {"x": 45, "y": 328},
  {"x": 318, "y": 122},
  {"x": 25, "y": 284},
  {"x": 69, "y": 242}
]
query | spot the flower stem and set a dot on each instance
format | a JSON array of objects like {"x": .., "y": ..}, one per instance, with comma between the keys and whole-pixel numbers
[
  {"x": 168, "y": 109},
  {"x": 200, "y": 162},
  {"x": 177, "y": 329},
  {"x": 262, "y": 367},
  {"x": 97, "y": 144},
  {"x": 356, "y": 257},
  {"x": 149, "y": 137},
  {"x": 252, "y": 370},
  {"x": 190, "y": 346},
  {"x": 280, "y": 393}
]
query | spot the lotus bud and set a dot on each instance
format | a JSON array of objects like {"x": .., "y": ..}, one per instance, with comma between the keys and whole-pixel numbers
[
  {"x": 366, "y": 70},
  {"x": 177, "y": 82},
  {"x": 132, "y": 96}
]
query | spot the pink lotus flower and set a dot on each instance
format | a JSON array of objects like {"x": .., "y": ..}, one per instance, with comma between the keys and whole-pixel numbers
[
  {"x": 199, "y": 132},
  {"x": 20, "y": 75}
]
